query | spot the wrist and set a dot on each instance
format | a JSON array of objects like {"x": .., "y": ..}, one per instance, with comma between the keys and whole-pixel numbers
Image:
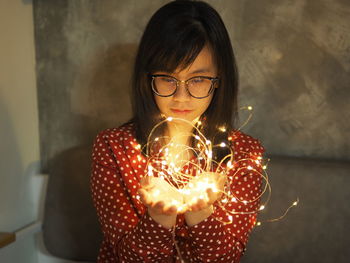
[
  {"x": 194, "y": 218},
  {"x": 167, "y": 221}
]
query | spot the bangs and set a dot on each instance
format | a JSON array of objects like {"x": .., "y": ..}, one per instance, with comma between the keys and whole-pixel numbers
[{"x": 177, "y": 50}]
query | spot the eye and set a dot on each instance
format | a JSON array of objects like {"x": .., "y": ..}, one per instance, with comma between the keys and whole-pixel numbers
[
  {"x": 167, "y": 79},
  {"x": 197, "y": 80}
]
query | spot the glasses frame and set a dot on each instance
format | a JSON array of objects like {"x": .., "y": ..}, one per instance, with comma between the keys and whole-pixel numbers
[{"x": 212, "y": 79}]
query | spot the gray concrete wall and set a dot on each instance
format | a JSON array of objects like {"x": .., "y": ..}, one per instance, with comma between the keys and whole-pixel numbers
[{"x": 294, "y": 60}]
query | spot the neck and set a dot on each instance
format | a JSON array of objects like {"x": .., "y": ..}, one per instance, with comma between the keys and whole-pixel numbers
[{"x": 179, "y": 133}]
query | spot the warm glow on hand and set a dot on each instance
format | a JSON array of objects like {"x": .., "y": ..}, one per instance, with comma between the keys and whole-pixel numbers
[
  {"x": 203, "y": 190},
  {"x": 160, "y": 196}
]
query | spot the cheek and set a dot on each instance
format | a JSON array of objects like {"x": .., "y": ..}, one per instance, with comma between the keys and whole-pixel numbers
[
  {"x": 161, "y": 103},
  {"x": 206, "y": 104}
]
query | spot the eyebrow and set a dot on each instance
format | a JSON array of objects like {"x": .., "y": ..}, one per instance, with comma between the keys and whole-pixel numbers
[{"x": 201, "y": 70}]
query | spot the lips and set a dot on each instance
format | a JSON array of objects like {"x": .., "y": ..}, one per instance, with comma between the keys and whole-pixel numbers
[{"x": 181, "y": 111}]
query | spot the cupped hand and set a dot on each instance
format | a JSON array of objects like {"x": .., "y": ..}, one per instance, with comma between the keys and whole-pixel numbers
[
  {"x": 204, "y": 190},
  {"x": 160, "y": 197}
]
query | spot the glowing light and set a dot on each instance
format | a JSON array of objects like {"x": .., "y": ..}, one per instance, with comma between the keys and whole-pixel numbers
[
  {"x": 250, "y": 108},
  {"x": 258, "y": 223},
  {"x": 222, "y": 128},
  {"x": 156, "y": 192},
  {"x": 150, "y": 170},
  {"x": 181, "y": 186},
  {"x": 210, "y": 154}
]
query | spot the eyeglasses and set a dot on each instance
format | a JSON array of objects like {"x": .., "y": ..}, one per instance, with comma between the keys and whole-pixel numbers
[{"x": 198, "y": 87}]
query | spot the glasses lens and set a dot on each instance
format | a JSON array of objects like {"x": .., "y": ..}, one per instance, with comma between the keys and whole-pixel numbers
[
  {"x": 199, "y": 87},
  {"x": 164, "y": 86}
]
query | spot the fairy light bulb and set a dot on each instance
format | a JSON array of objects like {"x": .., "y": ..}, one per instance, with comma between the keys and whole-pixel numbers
[
  {"x": 150, "y": 170},
  {"x": 222, "y": 128}
]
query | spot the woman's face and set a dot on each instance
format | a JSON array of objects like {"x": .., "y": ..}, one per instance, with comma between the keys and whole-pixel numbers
[{"x": 181, "y": 104}]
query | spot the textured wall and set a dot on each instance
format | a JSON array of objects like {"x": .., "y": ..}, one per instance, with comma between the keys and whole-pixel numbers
[
  {"x": 294, "y": 59},
  {"x": 295, "y": 63}
]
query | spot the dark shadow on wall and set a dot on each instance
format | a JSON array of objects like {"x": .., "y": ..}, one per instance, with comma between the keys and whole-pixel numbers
[{"x": 99, "y": 99}]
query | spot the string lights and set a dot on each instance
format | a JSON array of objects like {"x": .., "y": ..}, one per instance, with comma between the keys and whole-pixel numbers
[{"x": 185, "y": 173}]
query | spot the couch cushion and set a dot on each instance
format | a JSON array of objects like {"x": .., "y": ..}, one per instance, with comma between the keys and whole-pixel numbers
[
  {"x": 317, "y": 230},
  {"x": 71, "y": 229}
]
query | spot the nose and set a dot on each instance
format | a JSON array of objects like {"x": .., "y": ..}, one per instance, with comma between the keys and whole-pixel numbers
[{"x": 181, "y": 93}]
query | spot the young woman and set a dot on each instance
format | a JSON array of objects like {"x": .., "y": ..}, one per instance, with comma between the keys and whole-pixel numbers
[{"x": 184, "y": 70}]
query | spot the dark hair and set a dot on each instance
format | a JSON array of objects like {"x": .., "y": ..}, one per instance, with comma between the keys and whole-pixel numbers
[{"x": 173, "y": 38}]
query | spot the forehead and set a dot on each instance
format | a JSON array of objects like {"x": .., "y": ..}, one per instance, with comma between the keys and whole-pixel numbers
[{"x": 203, "y": 63}]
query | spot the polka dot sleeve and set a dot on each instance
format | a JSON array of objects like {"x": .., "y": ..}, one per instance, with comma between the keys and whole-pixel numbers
[
  {"x": 130, "y": 235},
  {"x": 215, "y": 241}
]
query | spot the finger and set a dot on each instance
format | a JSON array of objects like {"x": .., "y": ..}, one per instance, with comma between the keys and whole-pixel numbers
[
  {"x": 222, "y": 181},
  {"x": 172, "y": 210},
  {"x": 201, "y": 204},
  {"x": 192, "y": 208},
  {"x": 198, "y": 205},
  {"x": 146, "y": 182},
  {"x": 144, "y": 197},
  {"x": 211, "y": 196},
  {"x": 158, "y": 206}
]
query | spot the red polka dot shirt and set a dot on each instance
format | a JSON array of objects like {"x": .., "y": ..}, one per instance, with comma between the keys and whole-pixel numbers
[{"x": 131, "y": 235}]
